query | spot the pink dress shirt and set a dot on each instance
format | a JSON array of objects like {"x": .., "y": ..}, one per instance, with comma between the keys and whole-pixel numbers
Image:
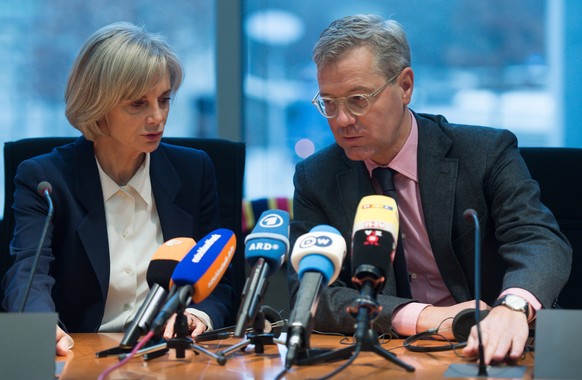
[{"x": 426, "y": 283}]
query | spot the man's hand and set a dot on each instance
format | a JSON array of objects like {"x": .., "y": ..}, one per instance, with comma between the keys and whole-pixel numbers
[
  {"x": 64, "y": 342},
  {"x": 504, "y": 332},
  {"x": 442, "y": 317},
  {"x": 195, "y": 325}
]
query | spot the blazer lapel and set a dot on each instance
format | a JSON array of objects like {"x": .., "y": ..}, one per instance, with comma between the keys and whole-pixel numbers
[
  {"x": 92, "y": 230},
  {"x": 437, "y": 175},
  {"x": 166, "y": 184}
]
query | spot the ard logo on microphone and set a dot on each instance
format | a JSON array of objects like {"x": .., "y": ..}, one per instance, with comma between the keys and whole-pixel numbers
[
  {"x": 271, "y": 221},
  {"x": 315, "y": 241}
]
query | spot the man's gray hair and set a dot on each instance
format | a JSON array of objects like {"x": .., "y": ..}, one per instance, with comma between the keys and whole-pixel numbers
[{"x": 386, "y": 39}]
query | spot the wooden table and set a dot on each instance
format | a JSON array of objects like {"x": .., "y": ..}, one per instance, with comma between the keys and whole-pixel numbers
[{"x": 82, "y": 362}]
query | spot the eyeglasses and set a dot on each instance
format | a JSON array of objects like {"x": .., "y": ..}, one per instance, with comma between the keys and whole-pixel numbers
[{"x": 357, "y": 104}]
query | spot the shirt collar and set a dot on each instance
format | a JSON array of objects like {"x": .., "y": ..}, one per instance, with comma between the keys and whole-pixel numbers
[{"x": 140, "y": 182}]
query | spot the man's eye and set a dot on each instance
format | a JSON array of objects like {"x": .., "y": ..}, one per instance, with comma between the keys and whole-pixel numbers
[{"x": 358, "y": 100}]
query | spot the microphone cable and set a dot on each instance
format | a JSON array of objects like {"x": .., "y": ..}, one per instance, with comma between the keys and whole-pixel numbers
[{"x": 117, "y": 365}]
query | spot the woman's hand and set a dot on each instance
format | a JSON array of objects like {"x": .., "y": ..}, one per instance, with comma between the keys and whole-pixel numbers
[{"x": 195, "y": 326}]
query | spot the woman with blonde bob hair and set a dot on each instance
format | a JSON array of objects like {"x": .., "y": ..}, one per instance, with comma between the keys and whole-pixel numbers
[{"x": 119, "y": 193}]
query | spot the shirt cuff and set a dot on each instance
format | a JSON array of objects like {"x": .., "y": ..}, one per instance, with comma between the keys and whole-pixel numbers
[
  {"x": 405, "y": 318},
  {"x": 534, "y": 304},
  {"x": 202, "y": 316}
]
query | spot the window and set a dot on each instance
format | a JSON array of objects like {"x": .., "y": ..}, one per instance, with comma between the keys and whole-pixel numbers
[
  {"x": 39, "y": 41},
  {"x": 475, "y": 62}
]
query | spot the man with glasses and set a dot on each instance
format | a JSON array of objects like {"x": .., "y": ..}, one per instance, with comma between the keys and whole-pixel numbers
[{"x": 441, "y": 169}]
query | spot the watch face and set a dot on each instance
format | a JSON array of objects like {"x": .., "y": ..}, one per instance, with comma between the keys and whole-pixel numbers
[{"x": 515, "y": 302}]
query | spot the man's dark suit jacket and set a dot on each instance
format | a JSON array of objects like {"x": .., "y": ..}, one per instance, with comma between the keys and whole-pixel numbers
[
  {"x": 459, "y": 167},
  {"x": 73, "y": 273}
]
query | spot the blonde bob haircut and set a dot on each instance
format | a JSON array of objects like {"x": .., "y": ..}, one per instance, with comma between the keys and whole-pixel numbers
[{"x": 118, "y": 62}]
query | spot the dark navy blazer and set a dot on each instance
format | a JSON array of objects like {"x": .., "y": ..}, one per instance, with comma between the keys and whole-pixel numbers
[{"x": 73, "y": 273}]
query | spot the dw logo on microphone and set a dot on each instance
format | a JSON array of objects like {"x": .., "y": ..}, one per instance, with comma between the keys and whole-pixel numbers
[{"x": 315, "y": 241}]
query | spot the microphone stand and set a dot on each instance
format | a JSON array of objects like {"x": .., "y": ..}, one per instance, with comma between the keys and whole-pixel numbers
[
  {"x": 365, "y": 310},
  {"x": 122, "y": 351},
  {"x": 273, "y": 323},
  {"x": 257, "y": 336},
  {"x": 180, "y": 342}
]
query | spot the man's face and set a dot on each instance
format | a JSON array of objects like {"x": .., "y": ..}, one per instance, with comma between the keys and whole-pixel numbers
[{"x": 382, "y": 130}]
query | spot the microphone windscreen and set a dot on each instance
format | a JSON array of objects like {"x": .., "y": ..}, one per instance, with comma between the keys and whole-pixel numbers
[
  {"x": 42, "y": 186},
  {"x": 320, "y": 250},
  {"x": 469, "y": 215},
  {"x": 371, "y": 251},
  {"x": 378, "y": 212},
  {"x": 165, "y": 259},
  {"x": 206, "y": 263},
  {"x": 269, "y": 239},
  {"x": 375, "y": 233}
]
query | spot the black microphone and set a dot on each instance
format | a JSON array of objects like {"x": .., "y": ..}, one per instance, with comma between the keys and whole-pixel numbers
[
  {"x": 144, "y": 316},
  {"x": 471, "y": 217},
  {"x": 317, "y": 258},
  {"x": 159, "y": 278},
  {"x": 374, "y": 240},
  {"x": 44, "y": 189},
  {"x": 159, "y": 275}
]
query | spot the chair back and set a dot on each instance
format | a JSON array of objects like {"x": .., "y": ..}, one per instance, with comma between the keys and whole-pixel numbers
[{"x": 559, "y": 174}]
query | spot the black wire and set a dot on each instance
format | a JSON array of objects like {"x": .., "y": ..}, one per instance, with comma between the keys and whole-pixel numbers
[{"x": 343, "y": 366}]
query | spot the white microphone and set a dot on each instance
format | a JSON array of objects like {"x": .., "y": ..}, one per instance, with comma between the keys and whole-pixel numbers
[{"x": 317, "y": 258}]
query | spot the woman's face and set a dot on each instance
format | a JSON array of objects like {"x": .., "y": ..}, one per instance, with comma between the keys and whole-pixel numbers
[{"x": 137, "y": 125}]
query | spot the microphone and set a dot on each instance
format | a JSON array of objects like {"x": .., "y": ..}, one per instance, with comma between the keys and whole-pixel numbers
[
  {"x": 374, "y": 238},
  {"x": 165, "y": 259},
  {"x": 159, "y": 274},
  {"x": 471, "y": 216},
  {"x": 317, "y": 258},
  {"x": 374, "y": 241},
  {"x": 265, "y": 250},
  {"x": 198, "y": 273},
  {"x": 45, "y": 189}
]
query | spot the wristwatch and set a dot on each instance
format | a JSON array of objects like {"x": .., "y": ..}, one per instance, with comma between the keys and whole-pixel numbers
[{"x": 514, "y": 302}]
